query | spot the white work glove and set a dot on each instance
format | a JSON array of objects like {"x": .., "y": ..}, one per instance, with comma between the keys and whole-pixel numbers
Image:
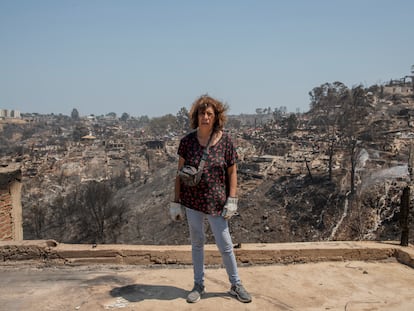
[
  {"x": 176, "y": 211},
  {"x": 230, "y": 208}
]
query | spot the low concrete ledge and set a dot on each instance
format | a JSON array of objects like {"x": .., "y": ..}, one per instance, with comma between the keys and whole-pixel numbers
[
  {"x": 26, "y": 250},
  {"x": 405, "y": 255},
  {"x": 281, "y": 253}
]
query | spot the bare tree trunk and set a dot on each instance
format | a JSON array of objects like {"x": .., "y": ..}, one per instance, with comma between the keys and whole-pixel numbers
[
  {"x": 331, "y": 147},
  {"x": 308, "y": 168},
  {"x": 353, "y": 166},
  {"x": 404, "y": 213}
]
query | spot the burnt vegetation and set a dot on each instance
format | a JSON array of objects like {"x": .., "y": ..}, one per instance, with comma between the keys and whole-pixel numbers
[{"x": 335, "y": 172}]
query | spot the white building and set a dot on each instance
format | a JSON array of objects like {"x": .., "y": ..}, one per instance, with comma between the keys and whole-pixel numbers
[{"x": 7, "y": 113}]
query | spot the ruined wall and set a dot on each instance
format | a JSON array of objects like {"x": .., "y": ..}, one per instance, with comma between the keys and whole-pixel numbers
[
  {"x": 10, "y": 204},
  {"x": 399, "y": 89}
]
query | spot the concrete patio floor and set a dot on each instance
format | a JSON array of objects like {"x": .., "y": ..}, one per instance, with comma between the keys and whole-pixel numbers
[{"x": 336, "y": 283}]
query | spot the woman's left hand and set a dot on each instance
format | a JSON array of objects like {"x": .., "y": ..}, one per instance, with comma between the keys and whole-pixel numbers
[{"x": 230, "y": 208}]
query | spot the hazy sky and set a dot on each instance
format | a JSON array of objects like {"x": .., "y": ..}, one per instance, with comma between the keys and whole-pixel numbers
[{"x": 152, "y": 57}]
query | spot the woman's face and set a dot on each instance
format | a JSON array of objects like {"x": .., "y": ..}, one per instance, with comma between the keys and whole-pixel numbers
[{"x": 206, "y": 118}]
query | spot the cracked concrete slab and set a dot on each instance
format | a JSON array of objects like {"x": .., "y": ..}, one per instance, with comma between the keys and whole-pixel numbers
[{"x": 336, "y": 280}]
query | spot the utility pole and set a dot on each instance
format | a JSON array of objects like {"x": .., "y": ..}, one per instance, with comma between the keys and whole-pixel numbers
[{"x": 412, "y": 77}]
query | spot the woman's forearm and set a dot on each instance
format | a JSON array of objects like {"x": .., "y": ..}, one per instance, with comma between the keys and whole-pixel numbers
[{"x": 232, "y": 174}]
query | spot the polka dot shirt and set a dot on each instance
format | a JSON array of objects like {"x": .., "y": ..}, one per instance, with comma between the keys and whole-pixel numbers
[{"x": 210, "y": 195}]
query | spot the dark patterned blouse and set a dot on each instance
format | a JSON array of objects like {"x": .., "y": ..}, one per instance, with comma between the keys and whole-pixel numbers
[{"x": 210, "y": 195}]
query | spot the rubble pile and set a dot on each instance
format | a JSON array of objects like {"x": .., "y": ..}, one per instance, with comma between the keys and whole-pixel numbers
[{"x": 285, "y": 191}]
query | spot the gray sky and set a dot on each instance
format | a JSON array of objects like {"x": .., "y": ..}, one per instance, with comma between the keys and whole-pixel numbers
[{"x": 152, "y": 57}]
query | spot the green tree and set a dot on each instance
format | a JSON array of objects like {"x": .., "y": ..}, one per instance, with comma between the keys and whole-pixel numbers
[
  {"x": 78, "y": 132},
  {"x": 292, "y": 123},
  {"x": 111, "y": 115},
  {"x": 183, "y": 119},
  {"x": 75, "y": 114},
  {"x": 124, "y": 117},
  {"x": 162, "y": 125}
]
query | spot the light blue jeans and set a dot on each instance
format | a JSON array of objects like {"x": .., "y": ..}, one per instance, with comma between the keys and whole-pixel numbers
[{"x": 220, "y": 229}]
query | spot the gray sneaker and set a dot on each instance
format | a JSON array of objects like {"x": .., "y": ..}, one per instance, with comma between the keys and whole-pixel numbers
[
  {"x": 240, "y": 293},
  {"x": 195, "y": 293}
]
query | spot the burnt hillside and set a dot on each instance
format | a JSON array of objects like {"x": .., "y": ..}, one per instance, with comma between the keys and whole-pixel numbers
[{"x": 334, "y": 173}]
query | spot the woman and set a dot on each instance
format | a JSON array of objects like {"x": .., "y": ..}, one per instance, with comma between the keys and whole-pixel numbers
[{"x": 216, "y": 191}]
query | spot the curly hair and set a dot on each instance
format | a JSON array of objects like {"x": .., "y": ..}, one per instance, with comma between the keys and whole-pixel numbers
[{"x": 201, "y": 104}]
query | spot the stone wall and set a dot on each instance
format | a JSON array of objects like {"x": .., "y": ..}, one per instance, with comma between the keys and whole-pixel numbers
[
  {"x": 11, "y": 228},
  {"x": 399, "y": 89}
]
